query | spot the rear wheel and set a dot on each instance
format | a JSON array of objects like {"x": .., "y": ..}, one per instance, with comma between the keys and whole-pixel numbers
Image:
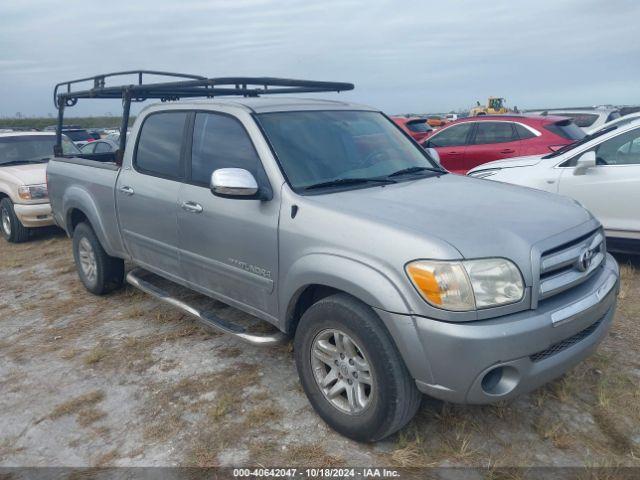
[
  {"x": 99, "y": 272},
  {"x": 12, "y": 230},
  {"x": 351, "y": 370}
]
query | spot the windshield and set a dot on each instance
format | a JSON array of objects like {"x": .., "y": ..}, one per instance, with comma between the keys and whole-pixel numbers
[
  {"x": 566, "y": 129},
  {"x": 323, "y": 146},
  {"x": 419, "y": 126},
  {"x": 584, "y": 140},
  {"x": 78, "y": 135},
  {"x": 32, "y": 148}
]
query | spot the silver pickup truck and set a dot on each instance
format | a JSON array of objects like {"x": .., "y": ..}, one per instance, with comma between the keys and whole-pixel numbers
[{"x": 323, "y": 218}]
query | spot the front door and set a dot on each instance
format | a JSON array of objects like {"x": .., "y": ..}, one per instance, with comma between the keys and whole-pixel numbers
[
  {"x": 491, "y": 141},
  {"x": 451, "y": 144},
  {"x": 228, "y": 246},
  {"x": 611, "y": 189},
  {"x": 147, "y": 194}
]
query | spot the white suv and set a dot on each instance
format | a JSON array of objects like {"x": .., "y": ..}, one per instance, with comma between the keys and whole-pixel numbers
[
  {"x": 601, "y": 171},
  {"x": 24, "y": 199}
]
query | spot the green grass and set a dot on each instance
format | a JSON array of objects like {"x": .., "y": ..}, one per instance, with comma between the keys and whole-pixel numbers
[{"x": 84, "y": 122}]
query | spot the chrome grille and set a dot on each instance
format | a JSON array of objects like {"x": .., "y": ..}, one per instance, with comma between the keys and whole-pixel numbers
[{"x": 570, "y": 264}]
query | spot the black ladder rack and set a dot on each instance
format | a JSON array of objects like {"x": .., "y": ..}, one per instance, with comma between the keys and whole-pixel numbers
[{"x": 189, "y": 86}]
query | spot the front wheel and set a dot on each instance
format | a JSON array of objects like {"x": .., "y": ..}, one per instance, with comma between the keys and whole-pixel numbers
[
  {"x": 12, "y": 230},
  {"x": 351, "y": 370},
  {"x": 99, "y": 272}
]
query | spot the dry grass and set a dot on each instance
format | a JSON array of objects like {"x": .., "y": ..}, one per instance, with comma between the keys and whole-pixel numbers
[{"x": 77, "y": 404}]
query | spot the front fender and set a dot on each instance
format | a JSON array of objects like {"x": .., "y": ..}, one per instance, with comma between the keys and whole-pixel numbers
[{"x": 366, "y": 283}]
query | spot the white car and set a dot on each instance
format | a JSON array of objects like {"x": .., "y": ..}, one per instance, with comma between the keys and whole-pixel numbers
[
  {"x": 601, "y": 171},
  {"x": 617, "y": 122},
  {"x": 589, "y": 119}
]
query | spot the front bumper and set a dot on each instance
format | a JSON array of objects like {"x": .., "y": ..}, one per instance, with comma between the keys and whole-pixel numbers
[
  {"x": 491, "y": 360},
  {"x": 34, "y": 215}
]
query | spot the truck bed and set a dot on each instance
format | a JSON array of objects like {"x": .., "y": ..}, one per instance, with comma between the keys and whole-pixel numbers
[{"x": 85, "y": 187}]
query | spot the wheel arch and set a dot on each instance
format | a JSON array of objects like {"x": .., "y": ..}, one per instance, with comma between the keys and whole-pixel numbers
[{"x": 316, "y": 276}]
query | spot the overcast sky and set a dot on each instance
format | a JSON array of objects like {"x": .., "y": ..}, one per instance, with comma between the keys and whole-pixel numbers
[{"x": 403, "y": 56}]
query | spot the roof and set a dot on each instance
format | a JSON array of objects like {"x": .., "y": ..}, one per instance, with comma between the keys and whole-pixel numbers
[
  {"x": 511, "y": 117},
  {"x": 271, "y": 104}
]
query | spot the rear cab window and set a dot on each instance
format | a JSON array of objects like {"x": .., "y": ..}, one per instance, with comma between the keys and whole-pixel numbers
[{"x": 159, "y": 147}]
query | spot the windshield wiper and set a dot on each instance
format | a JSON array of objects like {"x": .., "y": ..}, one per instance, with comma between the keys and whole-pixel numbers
[
  {"x": 338, "y": 182},
  {"x": 416, "y": 169}
]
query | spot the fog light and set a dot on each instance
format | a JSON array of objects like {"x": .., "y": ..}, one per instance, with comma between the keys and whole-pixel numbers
[{"x": 500, "y": 380}]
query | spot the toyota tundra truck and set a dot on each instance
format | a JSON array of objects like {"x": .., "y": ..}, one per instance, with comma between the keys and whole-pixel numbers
[{"x": 323, "y": 218}]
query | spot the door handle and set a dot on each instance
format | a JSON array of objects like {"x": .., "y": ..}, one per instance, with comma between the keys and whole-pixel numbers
[
  {"x": 126, "y": 190},
  {"x": 192, "y": 207},
  {"x": 507, "y": 150}
]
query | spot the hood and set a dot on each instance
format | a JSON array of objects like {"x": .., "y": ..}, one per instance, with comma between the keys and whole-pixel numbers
[
  {"x": 479, "y": 218},
  {"x": 27, "y": 174},
  {"x": 510, "y": 163}
]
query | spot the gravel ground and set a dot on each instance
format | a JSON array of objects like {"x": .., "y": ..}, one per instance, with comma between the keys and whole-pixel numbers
[{"x": 124, "y": 380}]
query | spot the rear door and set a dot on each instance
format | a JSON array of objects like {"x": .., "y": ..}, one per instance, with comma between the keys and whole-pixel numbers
[
  {"x": 492, "y": 140},
  {"x": 228, "y": 246},
  {"x": 610, "y": 190},
  {"x": 451, "y": 144},
  {"x": 147, "y": 193}
]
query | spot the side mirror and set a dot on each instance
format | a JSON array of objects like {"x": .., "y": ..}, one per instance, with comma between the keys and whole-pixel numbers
[
  {"x": 233, "y": 182},
  {"x": 433, "y": 153},
  {"x": 586, "y": 161}
]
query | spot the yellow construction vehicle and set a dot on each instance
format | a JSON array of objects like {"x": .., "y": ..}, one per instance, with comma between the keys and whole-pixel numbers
[{"x": 495, "y": 106}]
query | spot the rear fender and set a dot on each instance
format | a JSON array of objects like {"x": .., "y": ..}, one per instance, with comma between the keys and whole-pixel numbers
[{"x": 77, "y": 198}]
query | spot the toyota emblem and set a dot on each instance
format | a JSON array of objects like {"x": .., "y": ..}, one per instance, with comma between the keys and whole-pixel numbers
[{"x": 584, "y": 260}]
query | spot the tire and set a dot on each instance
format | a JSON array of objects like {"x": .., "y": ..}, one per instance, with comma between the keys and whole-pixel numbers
[
  {"x": 12, "y": 230},
  {"x": 391, "y": 398},
  {"x": 99, "y": 272}
]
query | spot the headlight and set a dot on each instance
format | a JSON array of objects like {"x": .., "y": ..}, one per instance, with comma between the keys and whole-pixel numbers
[
  {"x": 33, "y": 192},
  {"x": 484, "y": 173},
  {"x": 467, "y": 285}
]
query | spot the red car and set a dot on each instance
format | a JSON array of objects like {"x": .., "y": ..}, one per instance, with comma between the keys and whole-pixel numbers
[
  {"x": 469, "y": 142},
  {"x": 418, "y": 128}
]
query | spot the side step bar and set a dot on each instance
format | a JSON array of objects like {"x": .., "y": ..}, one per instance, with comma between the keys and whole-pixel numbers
[{"x": 134, "y": 277}]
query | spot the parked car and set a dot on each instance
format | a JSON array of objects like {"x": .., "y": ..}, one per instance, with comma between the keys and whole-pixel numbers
[
  {"x": 103, "y": 145},
  {"x": 24, "y": 200},
  {"x": 79, "y": 136},
  {"x": 436, "y": 121},
  {"x": 451, "y": 117},
  {"x": 322, "y": 218},
  {"x": 417, "y": 128},
  {"x": 472, "y": 141},
  {"x": 602, "y": 172},
  {"x": 617, "y": 122},
  {"x": 587, "y": 119}
]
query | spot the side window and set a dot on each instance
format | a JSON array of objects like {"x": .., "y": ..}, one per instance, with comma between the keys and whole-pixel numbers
[
  {"x": 453, "y": 136},
  {"x": 102, "y": 147},
  {"x": 160, "y": 144},
  {"x": 494, "y": 132},
  {"x": 88, "y": 148},
  {"x": 620, "y": 150},
  {"x": 220, "y": 141},
  {"x": 523, "y": 132}
]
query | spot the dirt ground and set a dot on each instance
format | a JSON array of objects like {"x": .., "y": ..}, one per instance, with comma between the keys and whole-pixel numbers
[{"x": 124, "y": 380}]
